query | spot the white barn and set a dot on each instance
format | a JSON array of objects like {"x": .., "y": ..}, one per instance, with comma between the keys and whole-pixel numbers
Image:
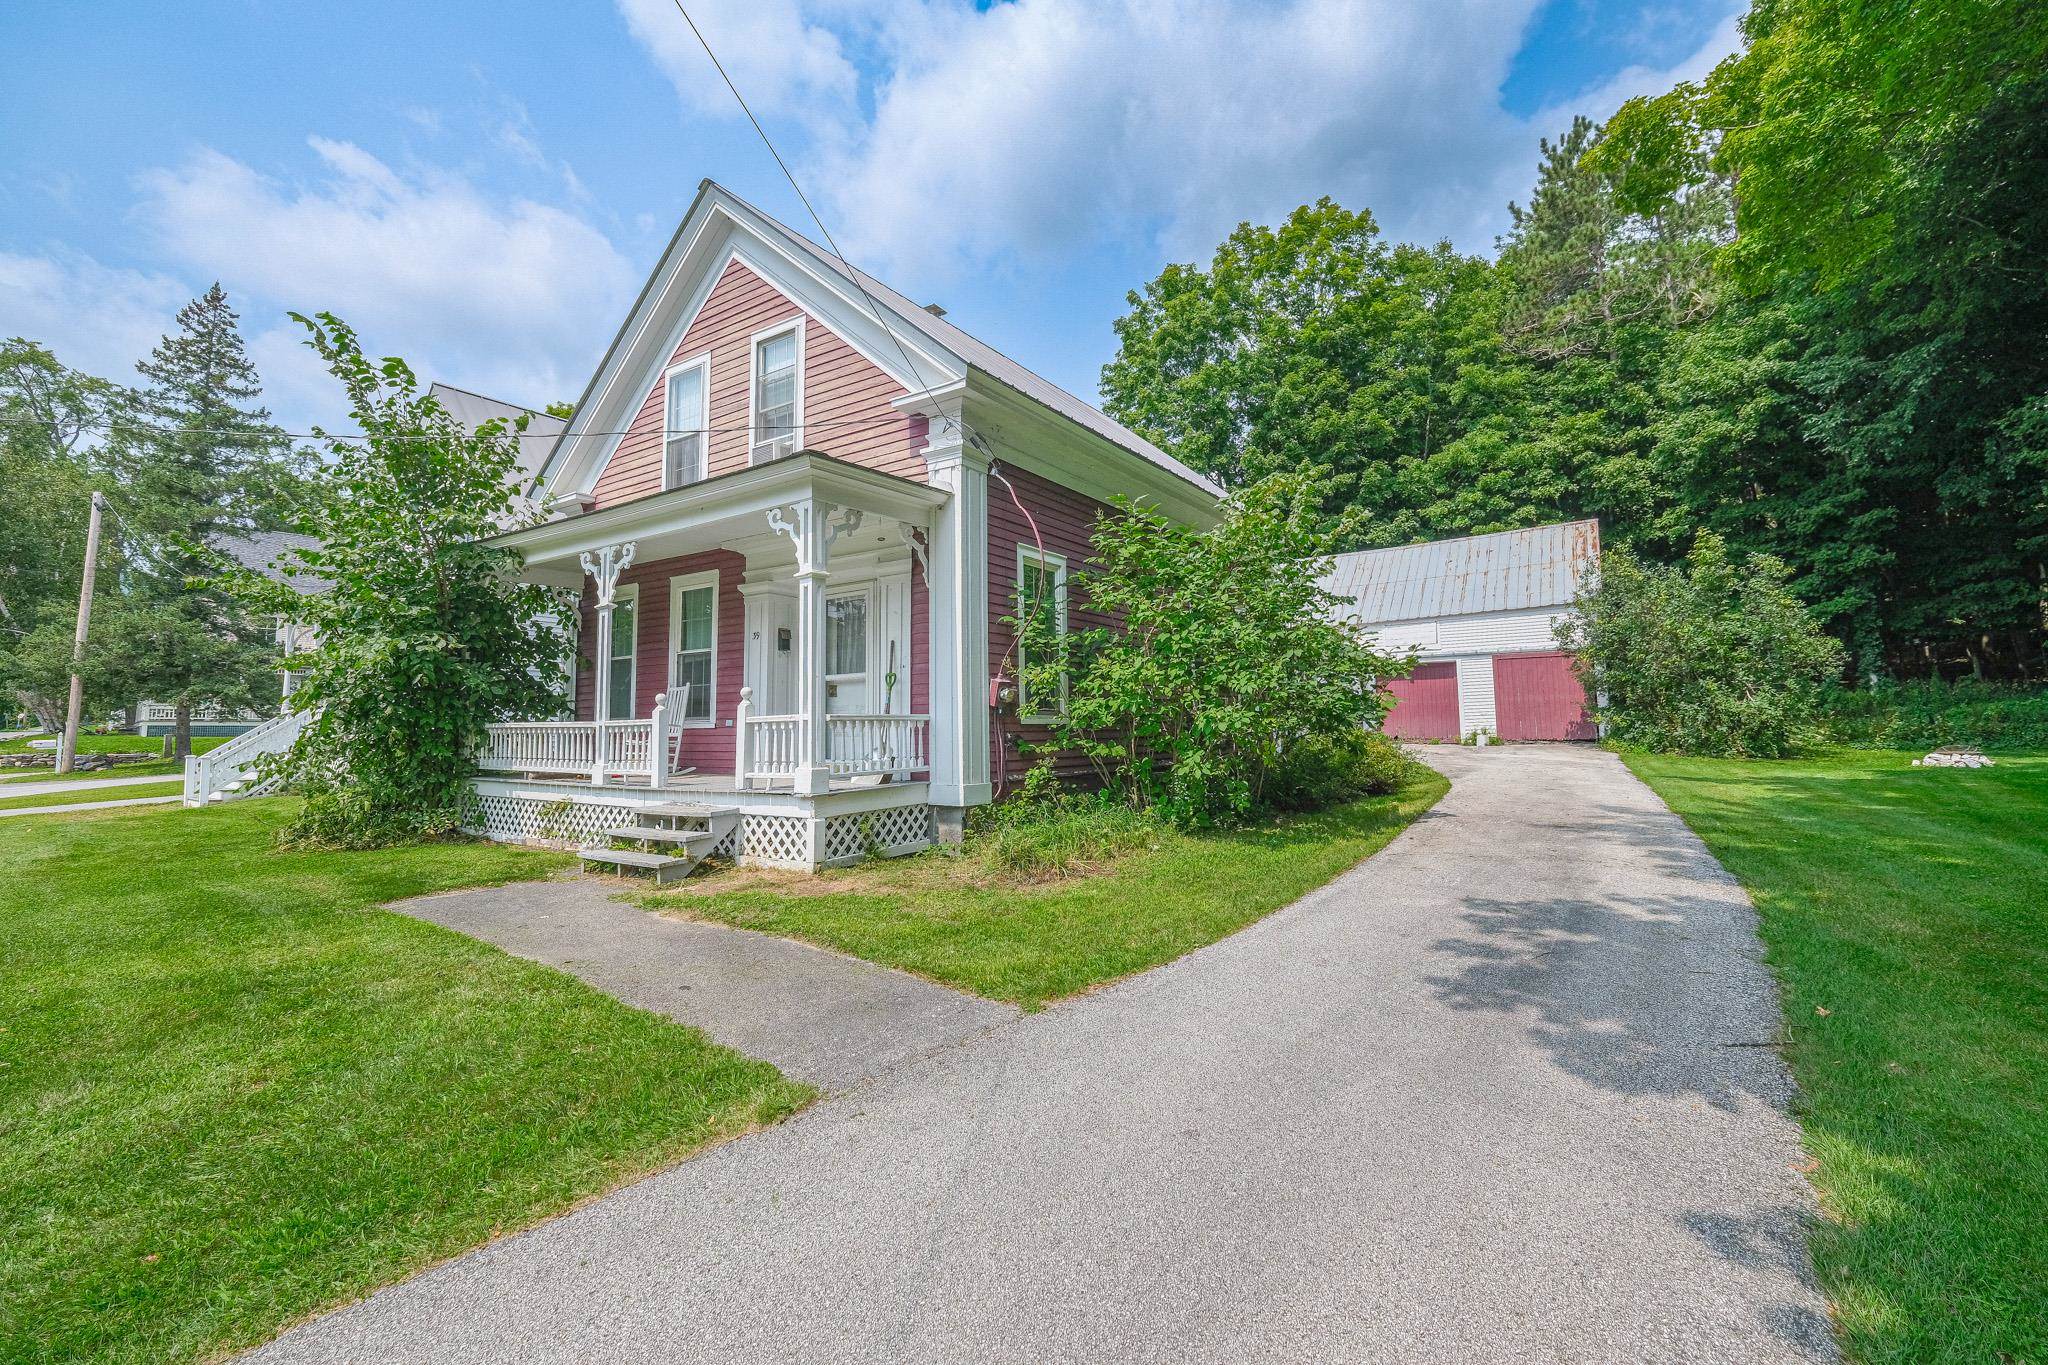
[{"x": 1479, "y": 613}]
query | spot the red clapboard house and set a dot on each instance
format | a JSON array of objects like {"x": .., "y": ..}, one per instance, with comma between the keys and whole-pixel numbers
[
  {"x": 795, "y": 507},
  {"x": 1479, "y": 613}
]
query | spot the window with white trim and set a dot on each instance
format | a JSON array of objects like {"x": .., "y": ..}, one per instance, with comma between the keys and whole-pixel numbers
[
  {"x": 687, "y": 392},
  {"x": 625, "y": 650},
  {"x": 778, "y": 394},
  {"x": 1041, "y": 597},
  {"x": 693, "y": 642}
]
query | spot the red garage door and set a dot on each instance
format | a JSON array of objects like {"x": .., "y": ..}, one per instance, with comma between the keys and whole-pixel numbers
[
  {"x": 1538, "y": 696},
  {"x": 1425, "y": 703}
]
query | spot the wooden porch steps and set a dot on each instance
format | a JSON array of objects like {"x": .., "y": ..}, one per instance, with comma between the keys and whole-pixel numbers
[{"x": 685, "y": 831}]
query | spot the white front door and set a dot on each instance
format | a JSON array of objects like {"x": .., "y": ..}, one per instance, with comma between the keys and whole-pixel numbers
[{"x": 846, "y": 653}]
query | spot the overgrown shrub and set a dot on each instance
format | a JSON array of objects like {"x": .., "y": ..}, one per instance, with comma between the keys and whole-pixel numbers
[
  {"x": 1928, "y": 715},
  {"x": 425, "y": 633},
  {"x": 1709, "y": 657},
  {"x": 1227, "y": 650},
  {"x": 1042, "y": 831},
  {"x": 1324, "y": 770}
]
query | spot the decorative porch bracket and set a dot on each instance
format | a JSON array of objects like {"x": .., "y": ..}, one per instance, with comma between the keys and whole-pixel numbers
[{"x": 604, "y": 565}]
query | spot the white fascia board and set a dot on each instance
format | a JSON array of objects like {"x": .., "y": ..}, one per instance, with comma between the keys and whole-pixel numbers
[
  {"x": 717, "y": 231},
  {"x": 1027, "y": 434},
  {"x": 753, "y": 489}
]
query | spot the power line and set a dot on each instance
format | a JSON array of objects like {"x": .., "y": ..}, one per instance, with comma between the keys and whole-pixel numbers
[
  {"x": 852, "y": 274},
  {"x": 269, "y": 435}
]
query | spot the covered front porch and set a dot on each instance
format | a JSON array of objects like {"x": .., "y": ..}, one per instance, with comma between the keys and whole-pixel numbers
[{"x": 758, "y": 642}]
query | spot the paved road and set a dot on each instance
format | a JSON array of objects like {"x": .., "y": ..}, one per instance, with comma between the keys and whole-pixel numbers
[
  {"x": 1496, "y": 1095},
  {"x": 831, "y": 1020}
]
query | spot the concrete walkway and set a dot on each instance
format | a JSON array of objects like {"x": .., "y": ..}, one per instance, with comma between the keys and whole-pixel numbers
[
  {"x": 1503, "y": 1093},
  {"x": 831, "y": 1020},
  {"x": 82, "y": 785},
  {"x": 90, "y": 805}
]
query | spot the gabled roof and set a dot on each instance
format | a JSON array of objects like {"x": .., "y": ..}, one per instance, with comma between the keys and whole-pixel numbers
[
  {"x": 472, "y": 410},
  {"x": 949, "y": 353},
  {"x": 1504, "y": 571},
  {"x": 987, "y": 358},
  {"x": 272, "y": 554}
]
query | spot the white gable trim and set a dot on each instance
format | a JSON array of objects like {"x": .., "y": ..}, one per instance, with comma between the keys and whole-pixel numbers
[{"x": 716, "y": 232}]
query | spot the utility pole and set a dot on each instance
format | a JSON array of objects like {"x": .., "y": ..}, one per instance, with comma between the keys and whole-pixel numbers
[{"x": 67, "y": 752}]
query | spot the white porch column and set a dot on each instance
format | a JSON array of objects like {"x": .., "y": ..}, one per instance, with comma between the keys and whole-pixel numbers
[
  {"x": 957, "y": 578},
  {"x": 604, "y": 567},
  {"x": 803, "y": 522}
]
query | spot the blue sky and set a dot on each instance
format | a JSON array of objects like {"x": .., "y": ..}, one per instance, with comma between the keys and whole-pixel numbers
[{"x": 482, "y": 187}]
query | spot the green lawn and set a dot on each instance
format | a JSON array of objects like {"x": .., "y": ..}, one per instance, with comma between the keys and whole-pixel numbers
[
  {"x": 69, "y": 798},
  {"x": 1032, "y": 943},
  {"x": 233, "y": 1092},
  {"x": 1906, "y": 914},
  {"x": 92, "y": 744}
]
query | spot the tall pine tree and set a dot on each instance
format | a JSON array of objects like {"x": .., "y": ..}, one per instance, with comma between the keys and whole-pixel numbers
[{"x": 204, "y": 463}]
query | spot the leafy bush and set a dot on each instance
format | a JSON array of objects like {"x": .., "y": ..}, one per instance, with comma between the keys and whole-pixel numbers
[
  {"x": 1928, "y": 715},
  {"x": 1709, "y": 657},
  {"x": 1324, "y": 770},
  {"x": 425, "y": 633},
  {"x": 1228, "y": 650}
]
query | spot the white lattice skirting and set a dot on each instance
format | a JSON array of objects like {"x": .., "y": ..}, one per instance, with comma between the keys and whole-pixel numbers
[{"x": 763, "y": 838}]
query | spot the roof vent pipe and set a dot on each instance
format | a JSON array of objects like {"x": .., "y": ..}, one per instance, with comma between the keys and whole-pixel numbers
[{"x": 935, "y": 310}]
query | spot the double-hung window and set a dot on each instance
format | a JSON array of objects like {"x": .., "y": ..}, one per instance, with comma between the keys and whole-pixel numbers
[
  {"x": 693, "y": 642},
  {"x": 778, "y": 394},
  {"x": 683, "y": 426},
  {"x": 1042, "y": 600},
  {"x": 625, "y": 646}
]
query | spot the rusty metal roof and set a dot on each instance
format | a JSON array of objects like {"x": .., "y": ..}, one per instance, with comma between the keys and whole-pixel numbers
[{"x": 1505, "y": 571}]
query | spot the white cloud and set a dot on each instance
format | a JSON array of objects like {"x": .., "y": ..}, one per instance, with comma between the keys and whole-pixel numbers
[
  {"x": 509, "y": 296},
  {"x": 96, "y": 318},
  {"x": 1039, "y": 128},
  {"x": 782, "y": 62},
  {"x": 1047, "y": 126}
]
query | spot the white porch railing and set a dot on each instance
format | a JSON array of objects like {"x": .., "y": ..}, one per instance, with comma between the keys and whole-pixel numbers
[
  {"x": 773, "y": 747},
  {"x": 166, "y": 713},
  {"x": 864, "y": 745},
  {"x": 601, "y": 750},
  {"x": 229, "y": 771}
]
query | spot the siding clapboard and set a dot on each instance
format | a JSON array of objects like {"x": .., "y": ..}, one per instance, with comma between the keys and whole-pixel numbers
[
  {"x": 840, "y": 387},
  {"x": 709, "y": 749},
  {"x": 1066, "y": 520}
]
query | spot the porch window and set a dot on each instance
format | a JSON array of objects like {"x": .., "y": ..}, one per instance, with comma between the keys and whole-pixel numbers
[
  {"x": 777, "y": 395},
  {"x": 1041, "y": 597},
  {"x": 846, "y": 652},
  {"x": 693, "y": 638},
  {"x": 683, "y": 424},
  {"x": 625, "y": 648}
]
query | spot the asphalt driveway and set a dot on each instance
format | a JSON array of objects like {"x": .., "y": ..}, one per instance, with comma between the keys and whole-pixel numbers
[{"x": 1504, "y": 1092}]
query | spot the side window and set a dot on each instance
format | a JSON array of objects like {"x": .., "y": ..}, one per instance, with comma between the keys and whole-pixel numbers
[
  {"x": 683, "y": 426},
  {"x": 1041, "y": 598}
]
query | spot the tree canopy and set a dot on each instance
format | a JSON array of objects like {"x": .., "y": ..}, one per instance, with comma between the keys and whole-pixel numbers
[{"x": 1799, "y": 305}]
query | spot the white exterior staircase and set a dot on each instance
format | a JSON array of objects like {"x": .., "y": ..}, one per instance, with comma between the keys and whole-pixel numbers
[
  {"x": 228, "y": 773},
  {"x": 671, "y": 839}
]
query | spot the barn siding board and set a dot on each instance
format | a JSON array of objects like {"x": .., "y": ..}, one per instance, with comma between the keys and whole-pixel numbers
[
  {"x": 1425, "y": 703},
  {"x": 1540, "y": 697},
  {"x": 709, "y": 749},
  {"x": 1066, "y": 520},
  {"x": 846, "y": 398}
]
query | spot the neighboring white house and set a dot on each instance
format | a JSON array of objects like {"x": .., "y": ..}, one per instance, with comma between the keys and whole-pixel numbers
[{"x": 1479, "y": 612}]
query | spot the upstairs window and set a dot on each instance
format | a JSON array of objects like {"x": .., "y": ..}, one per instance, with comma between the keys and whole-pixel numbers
[
  {"x": 683, "y": 426},
  {"x": 778, "y": 395}
]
